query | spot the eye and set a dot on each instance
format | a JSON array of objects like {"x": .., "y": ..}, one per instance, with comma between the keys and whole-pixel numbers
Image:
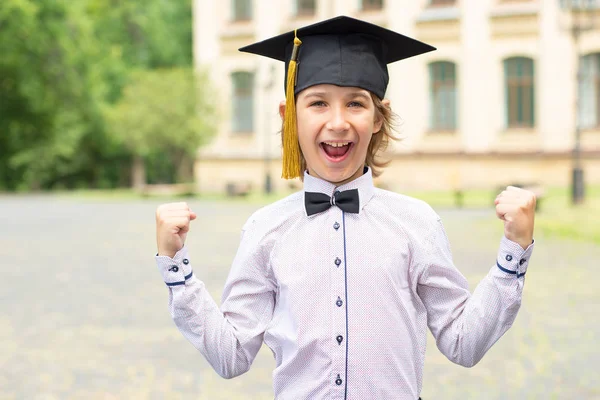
[
  {"x": 355, "y": 104},
  {"x": 318, "y": 104}
]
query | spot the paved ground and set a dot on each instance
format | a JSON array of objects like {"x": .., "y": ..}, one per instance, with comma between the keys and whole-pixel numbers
[{"x": 83, "y": 310}]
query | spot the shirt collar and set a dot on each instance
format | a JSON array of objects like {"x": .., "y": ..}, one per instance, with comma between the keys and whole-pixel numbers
[{"x": 363, "y": 183}]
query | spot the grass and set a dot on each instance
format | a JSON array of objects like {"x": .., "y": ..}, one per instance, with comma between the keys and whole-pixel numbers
[
  {"x": 556, "y": 216},
  {"x": 448, "y": 199},
  {"x": 125, "y": 194}
]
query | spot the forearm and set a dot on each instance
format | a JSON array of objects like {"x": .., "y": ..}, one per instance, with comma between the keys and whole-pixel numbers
[
  {"x": 471, "y": 324},
  {"x": 199, "y": 319},
  {"x": 486, "y": 316}
]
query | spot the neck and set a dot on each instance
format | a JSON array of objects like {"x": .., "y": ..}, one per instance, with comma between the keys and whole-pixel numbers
[{"x": 359, "y": 172}]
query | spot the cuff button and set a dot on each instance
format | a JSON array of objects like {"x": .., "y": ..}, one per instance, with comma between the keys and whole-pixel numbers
[
  {"x": 186, "y": 261},
  {"x": 508, "y": 257},
  {"x": 174, "y": 268}
]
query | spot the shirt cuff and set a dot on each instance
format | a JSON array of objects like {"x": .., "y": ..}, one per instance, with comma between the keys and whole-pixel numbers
[
  {"x": 512, "y": 259},
  {"x": 175, "y": 271}
]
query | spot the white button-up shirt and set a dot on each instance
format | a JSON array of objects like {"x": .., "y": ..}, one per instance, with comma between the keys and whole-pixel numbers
[{"x": 344, "y": 300}]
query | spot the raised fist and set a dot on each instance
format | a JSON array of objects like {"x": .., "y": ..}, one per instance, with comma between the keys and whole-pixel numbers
[
  {"x": 172, "y": 226},
  {"x": 516, "y": 207}
]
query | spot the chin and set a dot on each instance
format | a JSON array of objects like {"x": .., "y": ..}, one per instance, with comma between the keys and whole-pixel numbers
[{"x": 336, "y": 177}]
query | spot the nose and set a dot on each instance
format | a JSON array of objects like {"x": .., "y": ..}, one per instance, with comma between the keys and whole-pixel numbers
[{"x": 338, "y": 121}]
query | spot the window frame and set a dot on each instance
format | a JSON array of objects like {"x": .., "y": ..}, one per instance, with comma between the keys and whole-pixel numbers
[
  {"x": 367, "y": 6},
  {"x": 444, "y": 118},
  {"x": 593, "y": 81},
  {"x": 304, "y": 12},
  {"x": 235, "y": 17},
  {"x": 442, "y": 3},
  {"x": 240, "y": 94},
  {"x": 519, "y": 92}
]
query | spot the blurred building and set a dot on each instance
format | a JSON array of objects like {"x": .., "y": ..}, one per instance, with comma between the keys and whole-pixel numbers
[{"x": 494, "y": 105}]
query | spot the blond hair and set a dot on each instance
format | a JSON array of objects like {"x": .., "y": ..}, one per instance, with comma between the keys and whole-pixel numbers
[{"x": 379, "y": 140}]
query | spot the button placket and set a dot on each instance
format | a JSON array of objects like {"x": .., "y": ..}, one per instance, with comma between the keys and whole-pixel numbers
[{"x": 338, "y": 311}]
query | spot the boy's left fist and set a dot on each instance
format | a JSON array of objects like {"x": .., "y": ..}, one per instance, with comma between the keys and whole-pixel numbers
[{"x": 516, "y": 207}]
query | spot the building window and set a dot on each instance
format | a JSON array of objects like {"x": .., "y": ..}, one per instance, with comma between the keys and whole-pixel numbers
[
  {"x": 242, "y": 10},
  {"x": 305, "y": 7},
  {"x": 243, "y": 102},
  {"x": 589, "y": 91},
  {"x": 442, "y": 78},
  {"x": 520, "y": 92},
  {"x": 442, "y": 2},
  {"x": 372, "y": 4}
]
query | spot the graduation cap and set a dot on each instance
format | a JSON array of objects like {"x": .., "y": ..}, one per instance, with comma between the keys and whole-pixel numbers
[{"x": 341, "y": 51}]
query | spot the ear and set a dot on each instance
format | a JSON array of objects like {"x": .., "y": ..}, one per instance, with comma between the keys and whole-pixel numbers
[
  {"x": 379, "y": 123},
  {"x": 282, "y": 109}
]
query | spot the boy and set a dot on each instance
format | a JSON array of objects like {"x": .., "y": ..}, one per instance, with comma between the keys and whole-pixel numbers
[{"x": 342, "y": 279}]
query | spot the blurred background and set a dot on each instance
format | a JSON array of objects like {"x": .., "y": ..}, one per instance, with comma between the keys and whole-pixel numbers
[{"x": 109, "y": 108}]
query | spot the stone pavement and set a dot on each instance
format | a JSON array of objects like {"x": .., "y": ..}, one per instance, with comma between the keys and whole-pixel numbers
[{"x": 83, "y": 310}]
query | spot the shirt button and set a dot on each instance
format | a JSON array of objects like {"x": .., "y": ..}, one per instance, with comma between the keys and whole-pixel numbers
[
  {"x": 508, "y": 257},
  {"x": 338, "y": 381},
  {"x": 186, "y": 261},
  {"x": 339, "y": 339},
  {"x": 339, "y": 302},
  {"x": 174, "y": 268},
  {"x": 338, "y": 261},
  {"x": 522, "y": 261},
  {"x": 336, "y": 226}
]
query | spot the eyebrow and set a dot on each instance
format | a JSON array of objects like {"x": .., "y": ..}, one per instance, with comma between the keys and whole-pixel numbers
[
  {"x": 315, "y": 94},
  {"x": 359, "y": 94},
  {"x": 349, "y": 95}
]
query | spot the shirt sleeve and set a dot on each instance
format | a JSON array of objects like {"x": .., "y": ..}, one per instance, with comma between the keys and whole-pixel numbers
[
  {"x": 466, "y": 325},
  {"x": 229, "y": 337}
]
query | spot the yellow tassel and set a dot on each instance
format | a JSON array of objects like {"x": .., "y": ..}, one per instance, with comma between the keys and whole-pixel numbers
[{"x": 291, "y": 147}]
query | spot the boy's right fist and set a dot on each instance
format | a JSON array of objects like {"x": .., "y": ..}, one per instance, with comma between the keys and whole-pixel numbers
[{"x": 172, "y": 226}]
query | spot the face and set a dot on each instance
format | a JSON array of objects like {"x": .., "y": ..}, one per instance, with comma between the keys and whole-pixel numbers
[{"x": 335, "y": 126}]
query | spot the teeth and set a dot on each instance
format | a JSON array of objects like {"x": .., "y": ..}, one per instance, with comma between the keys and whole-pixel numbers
[{"x": 332, "y": 144}]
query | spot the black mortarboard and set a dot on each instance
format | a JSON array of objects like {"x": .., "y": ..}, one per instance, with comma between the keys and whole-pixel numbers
[{"x": 342, "y": 51}]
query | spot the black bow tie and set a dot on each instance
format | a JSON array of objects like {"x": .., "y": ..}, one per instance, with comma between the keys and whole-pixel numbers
[{"x": 316, "y": 202}]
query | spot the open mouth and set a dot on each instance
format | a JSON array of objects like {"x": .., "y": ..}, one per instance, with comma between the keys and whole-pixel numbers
[{"x": 336, "y": 151}]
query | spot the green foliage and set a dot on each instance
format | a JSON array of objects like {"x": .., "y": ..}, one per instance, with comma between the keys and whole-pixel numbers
[
  {"x": 143, "y": 32},
  {"x": 49, "y": 99},
  {"x": 159, "y": 114},
  {"x": 62, "y": 65}
]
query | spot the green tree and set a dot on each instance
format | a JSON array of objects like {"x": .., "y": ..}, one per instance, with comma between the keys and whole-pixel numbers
[
  {"x": 52, "y": 73},
  {"x": 62, "y": 63},
  {"x": 146, "y": 33},
  {"x": 166, "y": 113}
]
